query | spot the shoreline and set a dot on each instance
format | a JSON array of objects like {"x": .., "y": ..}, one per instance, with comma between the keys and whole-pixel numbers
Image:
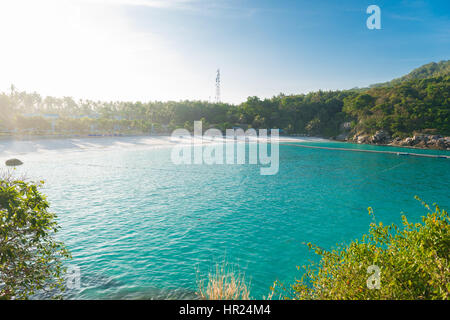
[
  {"x": 55, "y": 145},
  {"x": 82, "y": 136},
  {"x": 165, "y": 139}
]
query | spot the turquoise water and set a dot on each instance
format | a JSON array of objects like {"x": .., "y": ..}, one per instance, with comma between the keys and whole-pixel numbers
[{"x": 140, "y": 227}]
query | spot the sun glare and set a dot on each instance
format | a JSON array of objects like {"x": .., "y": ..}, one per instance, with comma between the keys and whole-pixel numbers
[{"x": 83, "y": 49}]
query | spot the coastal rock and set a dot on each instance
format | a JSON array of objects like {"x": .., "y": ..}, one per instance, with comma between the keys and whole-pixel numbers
[
  {"x": 440, "y": 143},
  {"x": 362, "y": 138},
  {"x": 380, "y": 137},
  {"x": 424, "y": 141},
  {"x": 13, "y": 162},
  {"x": 396, "y": 141}
]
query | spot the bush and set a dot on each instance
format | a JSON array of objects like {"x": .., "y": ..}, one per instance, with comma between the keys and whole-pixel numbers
[
  {"x": 30, "y": 258},
  {"x": 413, "y": 263}
]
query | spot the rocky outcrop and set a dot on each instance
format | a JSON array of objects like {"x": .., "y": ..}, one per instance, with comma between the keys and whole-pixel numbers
[
  {"x": 363, "y": 138},
  {"x": 13, "y": 162},
  {"x": 425, "y": 141},
  {"x": 380, "y": 137}
]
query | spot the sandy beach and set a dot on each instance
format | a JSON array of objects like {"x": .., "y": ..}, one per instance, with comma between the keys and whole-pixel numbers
[{"x": 14, "y": 148}]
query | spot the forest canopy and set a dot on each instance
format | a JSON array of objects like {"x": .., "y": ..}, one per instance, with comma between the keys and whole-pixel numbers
[{"x": 417, "y": 102}]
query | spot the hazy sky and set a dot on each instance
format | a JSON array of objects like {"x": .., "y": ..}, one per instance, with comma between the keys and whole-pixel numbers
[{"x": 170, "y": 49}]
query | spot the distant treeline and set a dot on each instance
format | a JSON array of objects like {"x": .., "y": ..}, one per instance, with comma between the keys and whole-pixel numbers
[{"x": 415, "y": 104}]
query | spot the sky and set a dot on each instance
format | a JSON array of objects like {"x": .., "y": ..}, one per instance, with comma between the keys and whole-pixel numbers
[{"x": 148, "y": 50}]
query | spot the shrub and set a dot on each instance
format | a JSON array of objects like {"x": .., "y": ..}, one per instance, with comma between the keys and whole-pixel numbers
[
  {"x": 413, "y": 263},
  {"x": 30, "y": 258}
]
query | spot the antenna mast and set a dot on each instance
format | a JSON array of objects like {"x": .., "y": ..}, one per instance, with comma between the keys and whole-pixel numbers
[{"x": 218, "y": 86}]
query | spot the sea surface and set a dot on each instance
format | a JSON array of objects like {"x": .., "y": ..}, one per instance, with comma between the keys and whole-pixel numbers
[{"x": 140, "y": 227}]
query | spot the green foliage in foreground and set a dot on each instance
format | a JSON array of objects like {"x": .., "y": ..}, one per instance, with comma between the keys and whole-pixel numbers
[
  {"x": 30, "y": 258},
  {"x": 414, "y": 262}
]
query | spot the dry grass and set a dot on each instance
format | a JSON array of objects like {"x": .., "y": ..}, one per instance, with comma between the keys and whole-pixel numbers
[
  {"x": 11, "y": 175},
  {"x": 224, "y": 284}
]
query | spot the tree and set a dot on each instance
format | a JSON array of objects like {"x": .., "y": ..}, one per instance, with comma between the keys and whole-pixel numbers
[
  {"x": 413, "y": 104},
  {"x": 30, "y": 258}
]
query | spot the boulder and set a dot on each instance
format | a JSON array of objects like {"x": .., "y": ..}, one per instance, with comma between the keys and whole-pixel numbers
[
  {"x": 408, "y": 142},
  {"x": 440, "y": 143},
  {"x": 380, "y": 137},
  {"x": 418, "y": 140},
  {"x": 362, "y": 139},
  {"x": 13, "y": 162}
]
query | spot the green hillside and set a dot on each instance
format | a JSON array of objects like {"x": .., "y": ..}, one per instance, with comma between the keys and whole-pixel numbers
[{"x": 432, "y": 69}]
